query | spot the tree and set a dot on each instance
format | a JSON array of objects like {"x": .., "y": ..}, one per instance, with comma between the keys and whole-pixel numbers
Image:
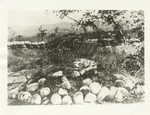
[
  {"x": 42, "y": 32},
  {"x": 97, "y": 19}
]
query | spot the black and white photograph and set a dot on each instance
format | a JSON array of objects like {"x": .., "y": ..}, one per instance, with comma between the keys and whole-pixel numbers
[{"x": 75, "y": 57}]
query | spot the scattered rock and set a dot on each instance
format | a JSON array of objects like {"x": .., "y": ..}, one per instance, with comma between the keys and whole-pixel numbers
[
  {"x": 55, "y": 99},
  {"x": 124, "y": 91},
  {"x": 113, "y": 91},
  {"x": 57, "y": 74},
  {"x": 36, "y": 99},
  {"x": 66, "y": 85},
  {"x": 64, "y": 78},
  {"x": 30, "y": 81},
  {"x": 118, "y": 97},
  {"x": 103, "y": 93},
  {"x": 119, "y": 76},
  {"x": 139, "y": 90},
  {"x": 75, "y": 74},
  {"x": 41, "y": 81},
  {"x": 129, "y": 84},
  {"x": 82, "y": 71},
  {"x": 78, "y": 98},
  {"x": 13, "y": 94},
  {"x": 119, "y": 83},
  {"x": 62, "y": 91},
  {"x": 32, "y": 87},
  {"x": 95, "y": 87},
  {"x": 66, "y": 100},
  {"x": 85, "y": 90},
  {"x": 45, "y": 92},
  {"x": 90, "y": 98},
  {"x": 28, "y": 77},
  {"x": 16, "y": 79},
  {"x": 87, "y": 81},
  {"x": 24, "y": 96},
  {"x": 45, "y": 102}
]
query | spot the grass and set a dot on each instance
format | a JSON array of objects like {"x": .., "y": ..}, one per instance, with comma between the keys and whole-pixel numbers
[{"x": 108, "y": 60}]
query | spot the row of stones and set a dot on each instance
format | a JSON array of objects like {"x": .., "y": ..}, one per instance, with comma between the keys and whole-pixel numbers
[{"x": 90, "y": 92}]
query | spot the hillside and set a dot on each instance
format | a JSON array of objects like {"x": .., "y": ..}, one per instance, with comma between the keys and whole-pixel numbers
[{"x": 28, "y": 31}]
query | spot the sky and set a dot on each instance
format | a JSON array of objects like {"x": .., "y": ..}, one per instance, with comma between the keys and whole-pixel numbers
[{"x": 35, "y": 17}]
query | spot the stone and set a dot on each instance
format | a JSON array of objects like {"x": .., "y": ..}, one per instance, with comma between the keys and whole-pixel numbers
[
  {"x": 55, "y": 99},
  {"x": 90, "y": 98},
  {"x": 41, "y": 81},
  {"x": 129, "y": 84},
  {"x": 66, "y": 100},
  {"x": 119, "y": 76},
  {"x": 62, "y": 91},
  {"x": 82, "y": 71},
  {"x": 103, "y": 93},
  {"x": 139, "y": 90},
  {"x": 24, "y": 96},
  {"x": 78, "y": 98},
  {"x": 45, "y": 102},
  {"x": 32, "y": 87},
  {"x": 113, "y": 91},
  {"x": 13, "y": 94},
  {"x": 57, "y": 74},
  {"x": 85, "y": 90},
  {"x": 75, "y": 74},
  {"x": 64, "y": 78},
  {"x": 87, "y": 81},
  {"x": 28, "y": 77},
  {"x": 124, "y": 91},
  {"x": 66, "y": 85},
  {"x": 95, "y": 87},
  {"x": 16, "y": 79},
  {"x": 119, "y": 83},
  {"x": 45, "y": 92},
  {"x": 118, "y": 97},
  {"x": 36, "y": 99}
]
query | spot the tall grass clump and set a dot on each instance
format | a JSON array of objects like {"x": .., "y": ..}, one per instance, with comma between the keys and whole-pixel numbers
[{"x": 109, "y": 60}]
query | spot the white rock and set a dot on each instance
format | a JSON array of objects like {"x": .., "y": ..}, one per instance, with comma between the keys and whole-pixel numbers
[
  {"x": 36, "y": 99},
  {"x": 32, "y": 87},
  {"x": 119, "y": 76},
  {"x": 103, "y": 93},
  {"x": 57, "y": 74},
  {"x": 119, "y": 83},
  {"x": 82, "y": 71},
  {"x": 113, "y": 91},
  {"x": 41, "y": 81},
  {"x": 131, "y": 78},
  {"x": 45, "y": 102},
  {"x": 13, "y": 93},
  {"x": 78, "y": 98},
  {"x": 85, "y": 90},
  {"x": 118, "y": 97},
  {"x": 64, "y": 78},
  {"x": 139, "y": 89},
  {"x": 24, "y": 96},
  {"x": 45, "y": 91},
  {"x": 62, "y": 91},
  {"x": 129, "y": 84},
  {"x": 55, "y": 99},
  {"x": 66, "y": 85},
  {"x": 124, "y": 91},
  {"x": 28, "y": 77},
  {"x": 95, "y": 87},
  {"x": 87, "y": 81},
  {"x": 66, "y": 100},
  {"x": 75, "y": 74},
  {"x": 90, "y": 98}
]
